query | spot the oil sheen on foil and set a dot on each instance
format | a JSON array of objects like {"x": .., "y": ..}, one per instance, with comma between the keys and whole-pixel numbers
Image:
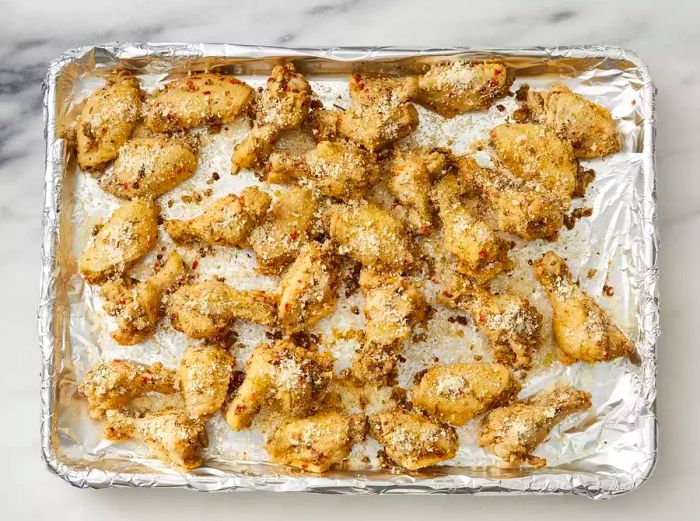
[{"x": 607, "y": 450}]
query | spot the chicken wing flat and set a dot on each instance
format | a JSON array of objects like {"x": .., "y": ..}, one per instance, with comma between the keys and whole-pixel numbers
[
  {"x": 283, "y": 106},
  {"x": 411, "y": 440},
  {"x": 318, "y": 442},
  {"x": 172, "y": 435},
  {"x": 583, "y": 331},
  {"x": 227, "y": 222},
  {"x": 514, "y": 432},
  {"x": 380, "y": 111},
  {"x": 197, "y": 100},
  {"x": 137, "y": 307},
  {"x": 287, "y": 228},
  {"x": 149, "y": 167},
  {"x": 586, "y": 125},
  {"x": 308, "y": 288},
  {"x": 292, "y": 378},
  {"x": 459, "y": 392},
  {"x": 107, "y": 120},
  {"x": 130, "y": 232},
  {"x": 205, "y": 372},
  {"x": 458, "y": 87},
  {"x": 112, "y": 385},
  {"x": 370, "y": 235}
]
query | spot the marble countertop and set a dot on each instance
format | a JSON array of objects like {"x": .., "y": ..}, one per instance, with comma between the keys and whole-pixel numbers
[{"x": 666, "y": 35}]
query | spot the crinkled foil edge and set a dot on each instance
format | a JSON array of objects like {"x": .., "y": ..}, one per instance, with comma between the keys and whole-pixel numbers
[{"x": 591, "y": 485}]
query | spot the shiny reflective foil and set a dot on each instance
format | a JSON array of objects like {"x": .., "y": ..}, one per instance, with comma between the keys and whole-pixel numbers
[{"x": 605, "y": 451}]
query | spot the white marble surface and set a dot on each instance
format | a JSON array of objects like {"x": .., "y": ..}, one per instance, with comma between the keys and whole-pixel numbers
[{"x": 665, "y": 34}]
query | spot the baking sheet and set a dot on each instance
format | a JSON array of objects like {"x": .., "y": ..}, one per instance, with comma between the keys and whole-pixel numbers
[{"x": 605, "y": 451}]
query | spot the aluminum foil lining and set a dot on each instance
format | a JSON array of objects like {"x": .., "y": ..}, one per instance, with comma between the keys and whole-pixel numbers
[{"x": 608, "y": 450}]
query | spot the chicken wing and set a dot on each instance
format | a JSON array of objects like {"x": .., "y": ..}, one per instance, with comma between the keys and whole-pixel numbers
[
  {"x": 514, "y": 432},
  {"x": 370, "y": 235},
  {"x": 308, "y": 288},
  {"x": 112, "y": 385},
  {"x": 318, "y": 442},
  {"x": 283, "y": 106},
  {"x": 458, "y": 87},
  {"x": 287, "y": 227},
  {"x": 457, "y": 393},
  {"x": 107, "y": 120},
  {"x": 205, "y": 372},
  {"x": 197, "y": 100},
  {"x": 172, "y": 435},
  {"x": 206, "y": 309},
  {"x": 586, "y": 125},
  {"x": 149, "y": 167},
  {"x": 137, "y": 307},
  {"x": 583, "y": 331},
  {"x": 130, "y": 232},
  {"x": 227, "y": 222},
  {"x": 411, "y": 440},
  {"x": 290, "y": 377}
]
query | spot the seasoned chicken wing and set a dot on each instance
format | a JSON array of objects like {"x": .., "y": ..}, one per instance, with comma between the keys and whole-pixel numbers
[
  {"x": 285, "y": 375},
  {"x": 457, "y": 393},
  {"x": 206, "y": 309},
  {"x": 308, "y": 288},
  {"x": 370, "y": 235},
  {"x": 458, "y": 87},
  {"x": 107, "y": 120},
  {"x": 283, "y": 106},
  {"x": 288, "y": 226},
  {"x": 149, "y": 167},
  {"x": 197, "y": 100},
  {"x": 318, "y": 442},
  {"x": 227, "y": 222},
  {"x": 411, "y": 440},
  {"x": 112, "y": 385},
  {"x": 514, "y": 432},
  {"x": 380, "y": 111},
  {"x": 130, "y": 232},
  {"x": 137, "y": 307},
  {"x": 583, "y": 331},
  {"x": 172, "y": 435},
  {"x": 205, "y": 372},
  {"x": 586, "y": 125}
]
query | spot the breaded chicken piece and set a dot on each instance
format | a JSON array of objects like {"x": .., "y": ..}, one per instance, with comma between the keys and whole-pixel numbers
[
  {"x": 205, "y": 372},
  {"x": 323, "y": 124},
  {"x": 482, "y": 254},
  {"x": 586, "y": 125},
  {"x": 227, "y": 222},
  {"x": 411, "y": 440},
  {"x": 380, "y": 112},
  {"x": 411, "y": 175},
  {"x": 514, "y": 432},
  {"x": 457, "y": 393},
  {"x": 308, "y": 289},
  {"x": 206, "y": 309},
  {"x": 583, "y": 331},
  {"x": 130, "y": 232},
  {"x": 458, "y": 87},
  {"x": 292, "y": 378},
  {"x": 283, "y": 106},
  {"x": 370, "y": 235},
  {"x": 107, "y": 120},
  {"x": 335, "y": 168},
  {"x": 149, "y": 167},
  {"x": 112, "y": 385},
  {"x": 137, "y": 307},
  {"x": 197, "y": 100},
  {"x": 172, "y": 435},
  {"x": 318, "y": 442},
  {"x": 287, "y": 227}
]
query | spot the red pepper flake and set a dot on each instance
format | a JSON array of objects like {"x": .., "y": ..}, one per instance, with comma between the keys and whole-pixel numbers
[
  {"x": 216, "y": 176},
  {"x": 482, "y": 318},
  {"x": 497, "y": 72},
  {"x": 483, "y": 254},
  {"x": 294, "y": 235},
  {"x": 206, "y": 92},
  {"x": 195, "y": 263},
  {"x": 260, "y": 89}
]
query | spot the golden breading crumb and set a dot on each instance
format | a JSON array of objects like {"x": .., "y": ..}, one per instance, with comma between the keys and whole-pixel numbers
[{"x": 205, "y": 372}]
